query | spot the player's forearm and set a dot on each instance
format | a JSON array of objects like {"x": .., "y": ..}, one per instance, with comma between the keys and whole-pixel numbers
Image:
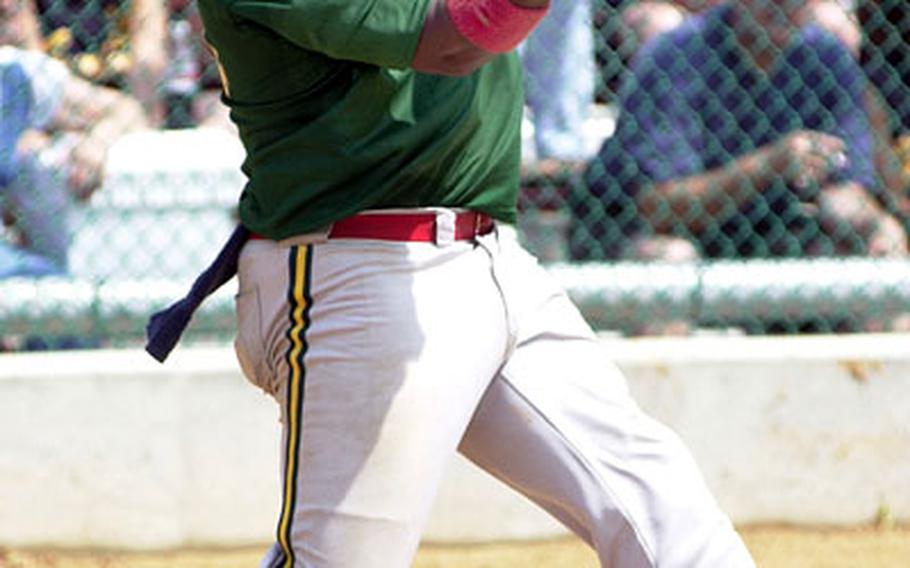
[
  {"x": 700, "y": 200},
  {"x": 461, "y": 35}
]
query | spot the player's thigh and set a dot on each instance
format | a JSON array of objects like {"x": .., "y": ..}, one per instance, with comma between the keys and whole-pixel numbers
[
  {"x": 544, "y": 447},
  {"x": 378, "y": 361},
  {"x": 559, "y": 425}
]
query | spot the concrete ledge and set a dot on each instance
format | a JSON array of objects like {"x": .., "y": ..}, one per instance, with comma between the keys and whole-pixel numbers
[
  {"x": 806, "y": 429},
  {"x": 108, "y": 448}
]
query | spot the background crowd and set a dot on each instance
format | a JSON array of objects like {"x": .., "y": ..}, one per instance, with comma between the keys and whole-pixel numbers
[{"x": 751, "y": 129}]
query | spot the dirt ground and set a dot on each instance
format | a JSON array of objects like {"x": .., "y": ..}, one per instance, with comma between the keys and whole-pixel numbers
[{"x": 772, "y": 547}]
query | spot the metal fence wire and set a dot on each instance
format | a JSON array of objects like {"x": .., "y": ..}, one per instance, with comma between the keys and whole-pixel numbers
[{"x": 687, "y": 165}]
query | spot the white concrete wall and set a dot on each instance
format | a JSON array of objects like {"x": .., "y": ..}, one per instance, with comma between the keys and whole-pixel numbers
[{"x": 111, "y": 449}]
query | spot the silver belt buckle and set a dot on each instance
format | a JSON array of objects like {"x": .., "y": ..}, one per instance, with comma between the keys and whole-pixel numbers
[{"x": 445, "y": 227}]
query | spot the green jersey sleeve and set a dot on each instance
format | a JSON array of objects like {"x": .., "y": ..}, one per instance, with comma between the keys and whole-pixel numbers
[{"x": 379, "y": 32}]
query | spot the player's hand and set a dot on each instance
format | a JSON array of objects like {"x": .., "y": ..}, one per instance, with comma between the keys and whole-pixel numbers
[{"x": 806, "y": 158}]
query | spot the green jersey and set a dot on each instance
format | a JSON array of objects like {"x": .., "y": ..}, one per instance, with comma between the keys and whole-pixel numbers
[{"x": 334, "y": 122}]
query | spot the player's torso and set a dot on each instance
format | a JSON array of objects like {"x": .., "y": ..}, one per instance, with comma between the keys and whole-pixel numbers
[{"x": 326, "y": 138}]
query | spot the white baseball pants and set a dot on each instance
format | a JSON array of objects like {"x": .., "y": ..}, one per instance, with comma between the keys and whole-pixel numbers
[{"x": 387, "y": 357}]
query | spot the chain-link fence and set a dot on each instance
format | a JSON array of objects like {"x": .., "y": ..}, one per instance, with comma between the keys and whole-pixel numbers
[
  {"x": 688, "y": 165},
  {"x": 752, "y": 172}
]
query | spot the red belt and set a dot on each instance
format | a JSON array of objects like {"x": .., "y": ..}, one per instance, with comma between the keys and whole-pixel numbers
[{"x": 428, "y": 227}]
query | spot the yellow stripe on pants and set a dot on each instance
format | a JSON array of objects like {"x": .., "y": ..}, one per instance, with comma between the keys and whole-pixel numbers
[{"x": 299, "y": 300}]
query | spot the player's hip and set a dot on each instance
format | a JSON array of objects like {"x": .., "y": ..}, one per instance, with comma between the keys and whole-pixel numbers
[{"x": 356, "y": 299}]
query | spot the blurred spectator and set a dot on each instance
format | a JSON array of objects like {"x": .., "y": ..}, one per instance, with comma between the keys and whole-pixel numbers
[
  {"x": 885, "y": 57},
  {"x": 885, "y": 25},
  {"x": 194, "y": 58},
  {"x": 193, "y": 74},
  {"x": 624, "y": 26},
  {"x": 115, "y": 43},
  {"x": 152, "y": 49},
  {"x": 886, "y": 53},
  {"x": 648, "y": 19},
  {"x": 743, "y": 134},
  {"x": 57, "y": 129},
  {"x": 15, "y": 106},
  {"x": 558, "y": 60}
]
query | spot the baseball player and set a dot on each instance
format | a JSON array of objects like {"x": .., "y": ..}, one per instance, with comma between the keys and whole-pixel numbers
[{"x": 385, "y": 304}]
